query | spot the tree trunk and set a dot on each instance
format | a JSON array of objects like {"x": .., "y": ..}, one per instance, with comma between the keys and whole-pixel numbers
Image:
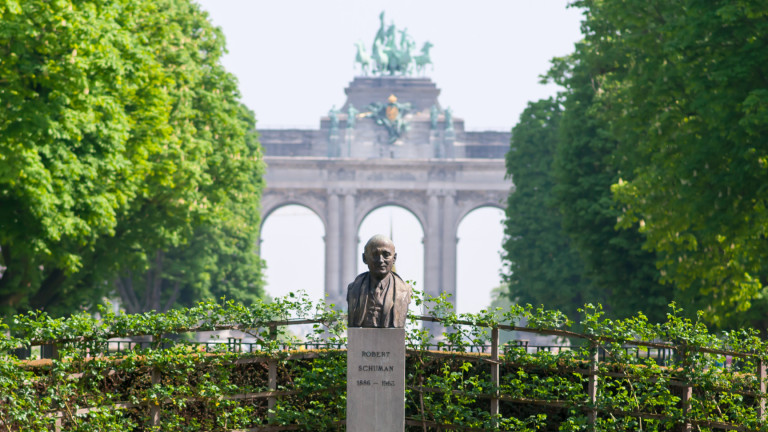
[
  {"x": 154, "y": 284},
  {"x": 13, "y": 296},
  {"x": 153, "y": 289},
  {"x": 124, "y": 285},
  {"x": 50, "y": 290}
]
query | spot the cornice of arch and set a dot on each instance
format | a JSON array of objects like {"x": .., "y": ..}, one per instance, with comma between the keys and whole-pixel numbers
[
  {"x": 412, "y": 201},
  {"x": 467, "y": 202},
  {"x": 313, "y": 199}
]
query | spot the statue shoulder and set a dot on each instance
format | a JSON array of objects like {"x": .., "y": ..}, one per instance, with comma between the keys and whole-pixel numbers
[
  {"x": 353, "y": 289},
  {"x": 358, "y": 280},
  {"x": 399, "y": 280}
]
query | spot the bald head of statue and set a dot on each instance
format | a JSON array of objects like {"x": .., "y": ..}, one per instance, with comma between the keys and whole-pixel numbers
[{"x": 379, "y": 255}]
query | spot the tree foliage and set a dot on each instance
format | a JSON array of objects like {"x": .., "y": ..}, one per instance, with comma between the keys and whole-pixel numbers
[
  {"x": 663, "y": 129},
  {"x": 561, "y": 244},
  {"x": 682, "y": 88},
  {"x": 213, "y": 206},
  {"x": 543, "y": 268},
  {"x": 622, "y": 275},
  {"x": 122, "y": 142}
]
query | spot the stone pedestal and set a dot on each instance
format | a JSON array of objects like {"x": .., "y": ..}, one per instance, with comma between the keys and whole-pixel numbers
[{"x": 375, "y": 379}]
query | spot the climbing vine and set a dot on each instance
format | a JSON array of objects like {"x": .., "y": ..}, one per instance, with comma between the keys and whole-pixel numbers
[{"x": 611, "y": 375}]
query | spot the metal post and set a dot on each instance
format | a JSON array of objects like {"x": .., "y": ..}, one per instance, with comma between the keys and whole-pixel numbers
[
  {"x": 272, "y": 372},
  {"x": 272, "y": 401},
  {"x": 155, "y": 378},
  {"x": 761, "y": 374},
  {"x": 154, "y": 409},
  {"x": 687, "y": 391},
  {"x": 495, "y": 371},
  {"x": 592, "y": 385}
]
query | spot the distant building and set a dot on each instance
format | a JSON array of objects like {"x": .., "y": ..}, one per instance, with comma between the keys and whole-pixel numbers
[
  {"x": 393, "y": 117},
  {"x": 391, "y": 143}
]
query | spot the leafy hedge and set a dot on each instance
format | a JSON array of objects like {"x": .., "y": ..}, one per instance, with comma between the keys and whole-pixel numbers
[{"x": 612, "y": 377}]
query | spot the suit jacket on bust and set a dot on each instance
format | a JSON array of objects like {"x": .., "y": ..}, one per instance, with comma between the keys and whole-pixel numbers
[{"x": 395, "y": 308}]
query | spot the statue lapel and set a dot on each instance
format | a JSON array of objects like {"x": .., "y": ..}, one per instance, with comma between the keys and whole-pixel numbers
[
  {"x": 389, "y": 300},
  {"x": 358, "y": 297},
  {"x": 400, "y": 298}
]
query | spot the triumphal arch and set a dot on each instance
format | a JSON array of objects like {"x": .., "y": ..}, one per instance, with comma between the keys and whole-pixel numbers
[{"x": 391, "y": 143}]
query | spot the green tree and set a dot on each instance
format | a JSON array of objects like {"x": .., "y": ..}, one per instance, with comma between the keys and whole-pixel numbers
[
  {"x": 686, "y": 95},
  {"x": 543, "y": 268},
  {"x": 207, "y": 247},
  {"x": 83, "y": 113},
  {"x": 622, "y": 275},
  {"x": 128, "y": 156}
]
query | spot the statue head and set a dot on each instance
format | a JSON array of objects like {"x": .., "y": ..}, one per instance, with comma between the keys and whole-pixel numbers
[{"x": 379, "y": 255}]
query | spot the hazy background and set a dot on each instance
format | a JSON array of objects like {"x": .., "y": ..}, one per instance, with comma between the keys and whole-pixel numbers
[{"x": 293, "y": 60}]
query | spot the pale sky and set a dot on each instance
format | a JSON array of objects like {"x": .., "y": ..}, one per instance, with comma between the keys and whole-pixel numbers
[{"x": 293, "y": 59}]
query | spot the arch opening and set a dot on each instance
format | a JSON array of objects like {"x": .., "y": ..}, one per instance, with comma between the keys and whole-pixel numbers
[
  {"x": 478, "y": 258},
  {"x": 292, "y": 237}
]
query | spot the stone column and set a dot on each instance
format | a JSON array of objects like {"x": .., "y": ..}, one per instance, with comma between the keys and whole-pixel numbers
[
  {"x": 448, "y": 250},
  {"x": 348, "y": 242},
  {"x": 332, "y": 253},
  {"x": 432, "y": 246}
]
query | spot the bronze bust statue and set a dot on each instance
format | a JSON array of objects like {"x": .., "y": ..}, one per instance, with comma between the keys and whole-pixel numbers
[{"x": 378, "y": 297}]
